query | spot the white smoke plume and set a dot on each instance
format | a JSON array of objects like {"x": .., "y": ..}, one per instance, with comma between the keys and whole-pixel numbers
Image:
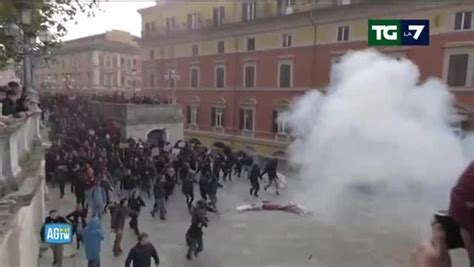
[{"x": 377, "y": 150}]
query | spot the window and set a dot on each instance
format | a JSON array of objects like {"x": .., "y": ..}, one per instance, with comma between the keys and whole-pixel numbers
[
  {"x": 284, "y": 74},
  {"x": 128, "y": 64},
  {"x": 89, "y": 77},
  {"x": 192, "y": 115},
  {"x": 457, "y": 70},
  {"x": 122, "y": 62},
  {"x": 279, "y": 126},
  {"x": 171, "y": 82},
  {"x": 220, "y": 76},
  {"x": 152, "y": 26},
  {"x": 107, "y": 62},
  {"x": 108, "y": 80},
  {"x": 463, "y": 20},
  {"x": 151, "y": 77},
  {"x": 246, "y": 119},
  {"x": 193, "y": 20},
  {"x": 134, "y": 62},
  {"x": 218, "y": 16},
  {"x": 249, "y": 76},
  {"x": 248, "y": 11},
  {"x": 343, "y": 33},
  {"x": 122, "y": 81},
  {"x": 284, "y": 6},
  {"x": 217, "y": 117},
  {"x": 194, "y": 77},
  {"x": 170, "y": 24},
  {"x": 152, "y": 54},
  {"x": 195, "y": 50},
  {"x": 221, "y": 47},
  {"x": 250, "y": 44},
  {"x": 286, "y": 40}
]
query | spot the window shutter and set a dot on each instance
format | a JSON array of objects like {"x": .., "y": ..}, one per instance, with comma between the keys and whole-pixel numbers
[
  {"x": 213, "y": 116},
  {"x": 457, "y": 70},
  {"x": 346, "y": 33},
  {"x": 244, "y": 11},
  {"x": 222, "y": 17},
  {"x": 215, "y": 16},
  {"x": 275, "y": 121},
  {"x": 467, "y": 20},
  {"x": 223, "y": 118},
  {"x": 457, "y": 21},
  {"x": 188, "y": 114},
  {"x": 190, "y": 21},
  {"x": 197, "y": 115},
  {"x": 241, "y": 119}
]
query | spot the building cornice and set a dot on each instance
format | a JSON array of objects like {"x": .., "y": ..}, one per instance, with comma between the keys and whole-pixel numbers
[{"x": 309, "y": 18}]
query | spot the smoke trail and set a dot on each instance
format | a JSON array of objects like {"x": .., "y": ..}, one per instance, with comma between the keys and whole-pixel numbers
[{"x": 377, "y": 149}]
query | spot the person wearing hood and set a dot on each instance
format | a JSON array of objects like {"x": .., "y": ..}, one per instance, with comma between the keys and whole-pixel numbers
[
  {"x": 159, "y": 194},
  {"x": 92, "y": 237}
]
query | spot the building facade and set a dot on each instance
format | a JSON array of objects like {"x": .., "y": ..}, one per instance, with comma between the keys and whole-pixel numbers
[
  {"x": 99, "y": 63},
  {"x": 240, "y": 63}
]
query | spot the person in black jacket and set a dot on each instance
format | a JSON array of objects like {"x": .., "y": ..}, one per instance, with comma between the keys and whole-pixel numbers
[
  {"x": 203, "y": 184},
  {"x": 254, "y": 176},
  {"x": 9, "y": 104},
  {"x": 56, "y": 248},
  {"x": 159, "y": 194},
  {"x": 135, "y": 203},
  {"x": 170, "y": 182},
  {"x": 271, "y": 170},
  {"x": 213, "y": 185},
  {"x": 194, "y": 232},
  {"x": 142, "y": 253},
  {"x": 80, "y": 190},
  {"x": 60, "y": 177}
]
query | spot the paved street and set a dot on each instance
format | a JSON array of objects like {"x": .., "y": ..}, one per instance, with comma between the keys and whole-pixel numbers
[{"x": 251, "y": 239}]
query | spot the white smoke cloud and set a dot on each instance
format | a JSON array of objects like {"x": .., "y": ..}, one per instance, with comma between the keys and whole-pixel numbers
[{"x": 378, "y": 146}]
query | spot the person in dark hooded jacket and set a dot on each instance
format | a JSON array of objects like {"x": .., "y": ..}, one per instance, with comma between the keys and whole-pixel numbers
[
  {"x": 271, "y": 170},
  {"x": 159, "y": 194},
  {"x": 212, "y": 191},
  {"x": 254, "y": 176},
  {"x": 135, "y": 203},
  {"x": 60, "y": 177}
]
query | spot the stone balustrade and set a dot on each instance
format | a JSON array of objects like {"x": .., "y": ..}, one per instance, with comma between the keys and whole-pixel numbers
[
  {"x": 16, "y": 142},
  {"x": 22, "y": 203}
]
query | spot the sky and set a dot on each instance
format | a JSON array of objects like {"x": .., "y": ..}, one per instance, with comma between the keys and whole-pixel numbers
[{"x": 116, "y": 14}]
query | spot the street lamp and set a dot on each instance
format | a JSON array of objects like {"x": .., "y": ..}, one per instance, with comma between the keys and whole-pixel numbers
[
  {"x": 27, "y": 44},
  {"x": 172, "y": 76}
]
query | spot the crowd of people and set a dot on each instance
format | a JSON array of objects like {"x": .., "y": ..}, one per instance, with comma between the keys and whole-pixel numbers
[{"x": 106, "y": 175}]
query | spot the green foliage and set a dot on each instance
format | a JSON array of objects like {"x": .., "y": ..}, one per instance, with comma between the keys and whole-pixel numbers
[{"x": 48, "y": 15}]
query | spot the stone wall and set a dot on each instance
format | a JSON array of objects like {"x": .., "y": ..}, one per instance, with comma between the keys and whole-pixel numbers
[
  {"x": 22, "y": 203},
  {"x": 16, "y": 143},
  {"x": 137, "y": 120}
]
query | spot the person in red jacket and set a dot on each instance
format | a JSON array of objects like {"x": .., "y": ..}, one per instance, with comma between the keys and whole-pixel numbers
[{"x": 435, "y": 253}]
